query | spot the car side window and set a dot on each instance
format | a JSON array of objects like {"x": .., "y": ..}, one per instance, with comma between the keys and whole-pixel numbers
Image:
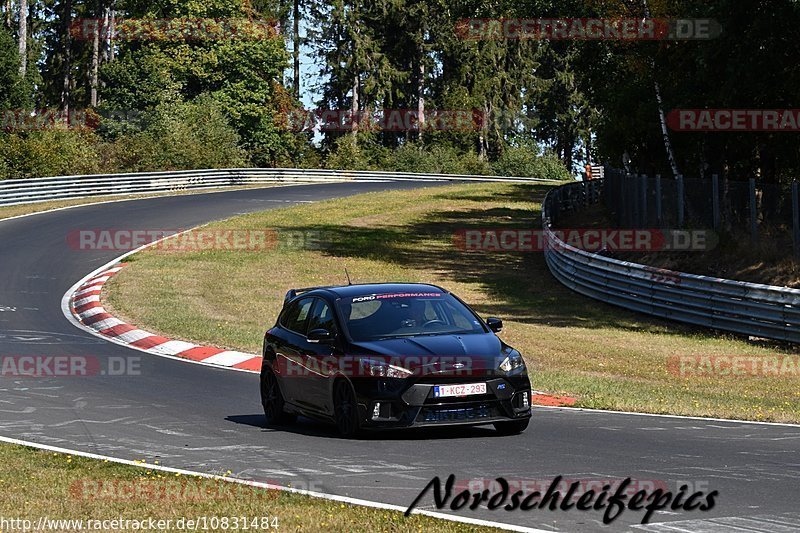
[
  {"x": 294, "y": 318},
  {"x": 322, "y": 317}
]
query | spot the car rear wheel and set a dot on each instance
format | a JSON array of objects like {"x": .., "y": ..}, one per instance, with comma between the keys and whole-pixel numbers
[
  {"x": 345, "y": 410},
  {"x": 272, "y": 400},
  {"x": 515, "y": 427}
]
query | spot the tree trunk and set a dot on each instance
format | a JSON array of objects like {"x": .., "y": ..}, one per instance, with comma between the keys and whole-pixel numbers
[
  {"x": 9, "y": 11},
  {"x": 23, "y": 38},
  {"x": 483, "y": 143},
  {"x": 661, "y": 118},
  {"x": 104, "y": 33},
  {"x": 421, "y": 94},
  {"x": 95, "y": 67},
  {"x": 354, "y": 105},
  {"x": 66, "y": 89},
  {"x": 296, "y": 52},
  {"x": 111, "y": 28},
  {"x": 664, "y": 131}
]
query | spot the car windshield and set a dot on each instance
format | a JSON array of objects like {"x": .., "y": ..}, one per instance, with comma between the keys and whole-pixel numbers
[{"x": 382, "y": 316}]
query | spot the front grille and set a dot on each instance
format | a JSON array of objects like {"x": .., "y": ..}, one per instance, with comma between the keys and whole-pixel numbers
[{"x": 467, "y": 412}]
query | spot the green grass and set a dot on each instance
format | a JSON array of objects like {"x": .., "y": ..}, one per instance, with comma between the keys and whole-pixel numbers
[
  {"x": 606, "y": 357},
  {"x": 36, "y": 483}
]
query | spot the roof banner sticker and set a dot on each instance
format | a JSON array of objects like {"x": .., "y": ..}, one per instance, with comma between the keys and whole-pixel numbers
[{"x": 396, "y": 295}]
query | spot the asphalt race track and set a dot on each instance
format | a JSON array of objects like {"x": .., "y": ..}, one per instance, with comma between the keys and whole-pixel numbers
[{"x": 206, "y": 419}]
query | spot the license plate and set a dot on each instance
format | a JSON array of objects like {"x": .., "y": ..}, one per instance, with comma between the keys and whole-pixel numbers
[{"x": 467, "y": 389}]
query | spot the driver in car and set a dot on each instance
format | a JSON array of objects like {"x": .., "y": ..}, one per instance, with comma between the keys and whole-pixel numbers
[{"x": 415, "y": 314}]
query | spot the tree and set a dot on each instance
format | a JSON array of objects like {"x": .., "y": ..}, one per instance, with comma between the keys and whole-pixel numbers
[
  {"x": 12, "y": 87},
  {"x": 240, "y": 74}
]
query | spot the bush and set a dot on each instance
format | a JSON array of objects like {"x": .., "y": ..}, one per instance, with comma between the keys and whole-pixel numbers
[
  {"x": 348, "y": 154},
  {"x": 472, "y": 164},
  {"x": 526, "y": 162},
  {"x": 182, "y": 136},
  {"x": 411, "y": 157},
  {"x": 53, "y": 152},
  {"x": 442, "y": 159}
]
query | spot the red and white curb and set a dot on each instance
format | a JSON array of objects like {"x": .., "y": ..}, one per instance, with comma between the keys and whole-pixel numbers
[{"x": 85, "y": 305}]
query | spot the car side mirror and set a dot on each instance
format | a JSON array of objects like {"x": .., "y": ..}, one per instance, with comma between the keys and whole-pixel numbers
[
  {"x": 495, "y": 324},
  {"x": 320, "y": 336}
]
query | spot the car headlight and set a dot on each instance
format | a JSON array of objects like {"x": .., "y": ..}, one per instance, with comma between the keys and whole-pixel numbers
[
  {"x": 512, "y": 362},
  {"x": 380, "y": 369}
]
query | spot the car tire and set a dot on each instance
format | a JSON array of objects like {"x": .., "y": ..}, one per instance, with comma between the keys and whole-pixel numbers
[
  {"x": 272, "y": 400},
  {"x": 515, "y": 427},
  {"x": 345, "y": 409}
]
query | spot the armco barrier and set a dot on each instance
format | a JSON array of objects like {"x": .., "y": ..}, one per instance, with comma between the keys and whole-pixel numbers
[
  {"x": 24, "y": 191},
  {"x": 736, "y": 306}
]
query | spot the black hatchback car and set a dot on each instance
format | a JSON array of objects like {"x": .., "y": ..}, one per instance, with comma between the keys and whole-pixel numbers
[{"x": 390, "y": 356}]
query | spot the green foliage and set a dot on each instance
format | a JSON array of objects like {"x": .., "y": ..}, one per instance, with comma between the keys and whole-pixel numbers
[
  {"x": 437, "y": 159},
  {"x": 51, "y": 152},
  {"x": 524, "y": 161},
  {"x": 12, "y": 87},
  {"x": 181, "y": 136},
  {"x": 239, "y": 74},
  {"x": 580, "y": 98},
  {"x": 348, "y": 154}
]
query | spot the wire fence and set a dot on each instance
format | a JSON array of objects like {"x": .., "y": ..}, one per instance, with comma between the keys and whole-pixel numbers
[
  {"x": 736, "y": 306},
  {"x": 726, "y": 206}
]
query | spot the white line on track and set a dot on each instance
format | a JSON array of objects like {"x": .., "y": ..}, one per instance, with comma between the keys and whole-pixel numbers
[{"x": 682, "y": 417}]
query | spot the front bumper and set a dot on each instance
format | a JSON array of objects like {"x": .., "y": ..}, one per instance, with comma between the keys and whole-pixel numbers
[{"x": 394, "y": 403}]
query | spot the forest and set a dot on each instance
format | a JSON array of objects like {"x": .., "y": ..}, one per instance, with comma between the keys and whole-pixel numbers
[{"x": 513, "y": 87}]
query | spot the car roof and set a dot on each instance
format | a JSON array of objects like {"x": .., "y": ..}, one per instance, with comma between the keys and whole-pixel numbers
[{"x": 349, "y": 291}]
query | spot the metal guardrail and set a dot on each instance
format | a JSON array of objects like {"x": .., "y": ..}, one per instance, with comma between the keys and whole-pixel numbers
[
  {"x": 24, "y": 191},
  {"x": 736, "y": 306}
]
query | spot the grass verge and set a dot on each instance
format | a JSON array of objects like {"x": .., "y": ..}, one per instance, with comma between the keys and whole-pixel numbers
[
  {"x": 606, "y": 357},
  {"x": 38, "y": 484}
]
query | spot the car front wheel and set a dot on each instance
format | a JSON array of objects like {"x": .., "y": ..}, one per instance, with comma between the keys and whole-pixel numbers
[
  {"x": 345, "y": 409},
  {"x": 272, "y": 400}
]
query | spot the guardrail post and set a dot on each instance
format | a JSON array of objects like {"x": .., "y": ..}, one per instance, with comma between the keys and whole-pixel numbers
[
  {"x": 753, "y": 213},
  {"x": 557, "y": 210},
  {"x": 643, "y": 196},
  {"x": 715, "y": 201},
  {"x": 795, "y": 219},
  {"x": 658, "y": 200},
  {"x": 679, "y": 180},
  {"x": 634, "y": 194}
]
